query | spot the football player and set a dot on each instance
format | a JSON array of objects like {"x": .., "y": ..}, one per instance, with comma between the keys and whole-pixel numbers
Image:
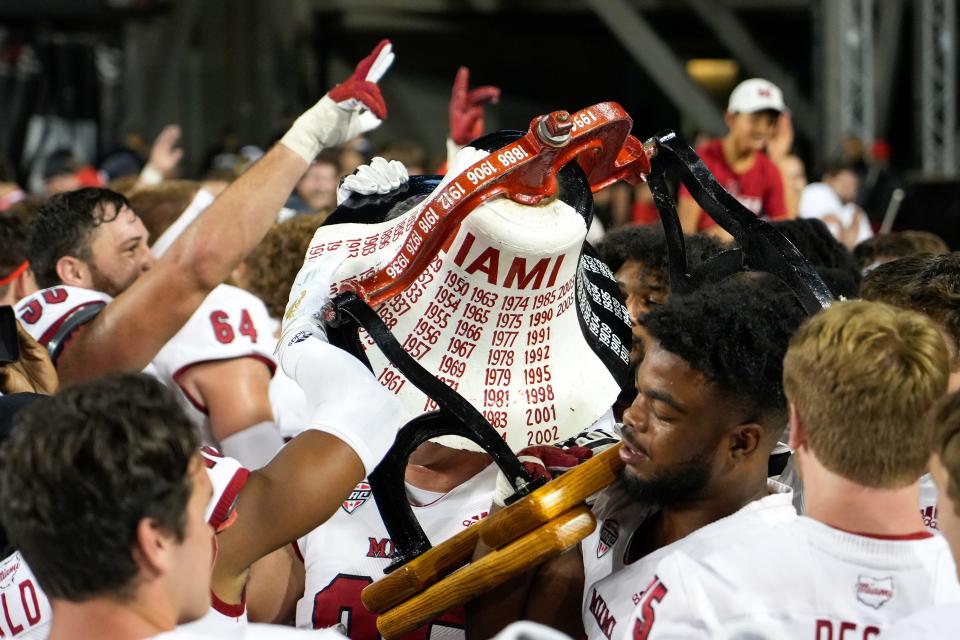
[
  {"x": 696, "y": 443},
  {"x": 942, "y": 621},
  {"x": 859, "y": 376},
  {"x": 221, "y": 360},
  {"x": 501, "y": 253},
  {"x": 89, "y": 248},
  {"x": 928, "y": 284},
  {"x": 107, "y": 497}
]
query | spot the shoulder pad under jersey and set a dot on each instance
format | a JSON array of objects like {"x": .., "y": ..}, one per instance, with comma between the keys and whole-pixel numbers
[
  {"x": 227, "y": 476},
  {"x": 51, "y": 315},
  {"x": 230, "y": 323}
]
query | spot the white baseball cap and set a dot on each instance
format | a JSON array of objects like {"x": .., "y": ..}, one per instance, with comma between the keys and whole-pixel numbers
[{"x": 756, "y": 94}]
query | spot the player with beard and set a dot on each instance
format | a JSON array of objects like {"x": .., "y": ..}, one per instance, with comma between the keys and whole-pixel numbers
[
  {"x": 860, "y": 377},
  {"x": 696, "y": 442},
  {"x": 88, "y": 248}
]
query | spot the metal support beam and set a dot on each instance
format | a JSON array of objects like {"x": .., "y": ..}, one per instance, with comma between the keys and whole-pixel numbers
[
  {"x": 889, "y": 28},
  {"x": 170, "y": 60},
  {"x": 936, "y": 70},
  {"x": 652, "y": 53},
  {"x": 848, "y": 72},
  {"x": 731, "y": 31}
]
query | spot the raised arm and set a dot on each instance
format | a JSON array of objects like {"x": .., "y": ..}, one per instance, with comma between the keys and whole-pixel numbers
[
  {"x": 132, "y": 329},
  {"x": 354, "y": 421}
]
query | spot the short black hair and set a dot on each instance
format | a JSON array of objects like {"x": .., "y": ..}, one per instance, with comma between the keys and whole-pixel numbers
[
  {"x": 831, "y": 259},
  {"x": 82, "y": 469},
  {"x": 898, "y": 245},
  {"x": 63, "y": 226},
  {"x": 736, "y": 333},
  {"x": 648, "y": 244},
  {"x": 926, "y": 283}
]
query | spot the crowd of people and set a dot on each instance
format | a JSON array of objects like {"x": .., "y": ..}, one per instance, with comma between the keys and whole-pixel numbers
[{"x": 191, "y": 448}]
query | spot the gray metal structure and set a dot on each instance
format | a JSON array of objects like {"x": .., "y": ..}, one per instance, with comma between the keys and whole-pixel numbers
[
  {"x": 936, "y": 94},
  {"x": 652, "y": 53},
  {"x": 848, "y": 78}
]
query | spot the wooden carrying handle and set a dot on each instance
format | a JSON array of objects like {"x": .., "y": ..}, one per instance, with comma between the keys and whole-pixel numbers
[
  {"x": 495, "y": 568},
  {"x": 501, "y": 528}
]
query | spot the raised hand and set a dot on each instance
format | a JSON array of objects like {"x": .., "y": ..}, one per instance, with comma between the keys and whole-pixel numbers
[
  {"x": 352, "y": 107},
  {"x": 782, "y": 140},
  {"x": 546, "y": 462},
  {"x": 380, "y": 177},
  {"x": 164, "y": 154},
  {"x": 467, "y": 107}
]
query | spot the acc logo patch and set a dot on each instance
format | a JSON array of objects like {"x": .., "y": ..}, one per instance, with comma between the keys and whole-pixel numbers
[
  {"x": 874, "y": 592},
  {"x": 360, "y": 494},
  {"x": 609, "y": 533}
]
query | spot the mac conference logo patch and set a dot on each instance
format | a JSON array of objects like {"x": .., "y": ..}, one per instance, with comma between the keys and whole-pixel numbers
[{"x": 360, "y": 494}]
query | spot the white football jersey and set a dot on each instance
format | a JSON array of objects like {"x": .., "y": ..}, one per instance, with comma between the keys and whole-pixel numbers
[
  {"x": 352, "y": 549},
  {"x": 26, "y": 610},
  {"x": 290, "y": 411},
  {"x": 928, "y": 624},
  {"x": 231, "y": 323},
  {"x": 52, "y": 315},
  {"x": 614, "y": 581},
  {"x": 812, "y": 580}
]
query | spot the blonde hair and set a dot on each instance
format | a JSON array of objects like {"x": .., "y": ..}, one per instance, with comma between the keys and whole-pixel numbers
[
  {"x": 944, "y": 423},
  {"x": 862, "y": 375},
  {"x": 160, "y": 205}
]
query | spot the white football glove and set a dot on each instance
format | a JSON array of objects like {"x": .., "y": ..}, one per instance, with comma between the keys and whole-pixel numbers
[
  {"x": 349, "y": 109},
  {"x": 378, "y": 177}
]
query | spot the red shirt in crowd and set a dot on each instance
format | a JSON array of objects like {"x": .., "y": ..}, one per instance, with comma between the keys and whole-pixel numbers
[{"x": 759, "y": 189}]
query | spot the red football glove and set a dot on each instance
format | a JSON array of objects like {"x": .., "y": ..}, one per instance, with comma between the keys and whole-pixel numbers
[
  {"x": 466, "y": 108},
  {"x": 362, "y": 84},
  {"x": 338, "y": 116},
  {"x": 546, "y": 462}
]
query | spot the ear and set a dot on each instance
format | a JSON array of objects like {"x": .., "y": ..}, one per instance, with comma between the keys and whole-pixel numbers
[
  {"x": 745, "y": 439},
  {"x": 728, "y": 118},
  {"x": 152, "y": 547},
  {"x": 73, "y": 271},
  {"x": 798, "y": 436}
]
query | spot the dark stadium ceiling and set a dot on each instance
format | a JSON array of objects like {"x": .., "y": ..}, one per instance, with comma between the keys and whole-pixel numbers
[{"x": 370, "y": 10}]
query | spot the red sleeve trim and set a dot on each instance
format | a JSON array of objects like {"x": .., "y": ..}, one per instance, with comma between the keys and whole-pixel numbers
[
  {"x": 296, "y": 549},
  {"x": 917, "y": 535},
  {"x": 229, "y": 497},
  {"x": 197, "y": 404},
  {"x": 54, "y": 329},
  {"x": 229, "y": 610}
]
